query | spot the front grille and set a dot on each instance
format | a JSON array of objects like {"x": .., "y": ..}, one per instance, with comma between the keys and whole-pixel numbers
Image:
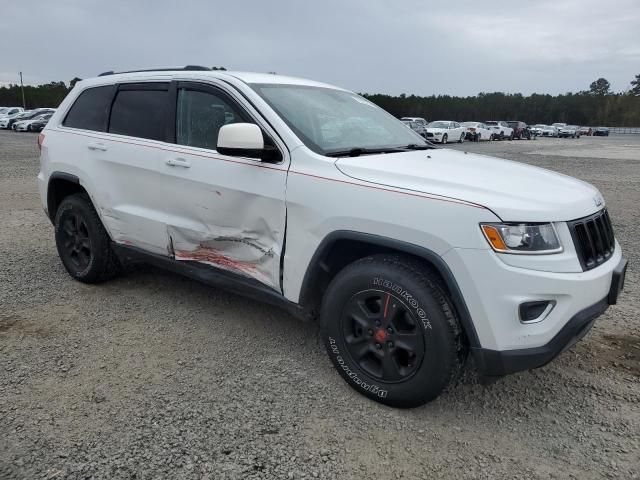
[
  {"x": 429, "y": 134},
  {"x": 593, "y": 238}
]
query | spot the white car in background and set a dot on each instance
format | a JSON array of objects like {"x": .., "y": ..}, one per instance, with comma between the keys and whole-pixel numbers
[
  {"x": 25, "y": 125},
  {"x": 477, "y": 131},
  {"x": 8, "y": 111},
  {"x": 445, "y": 131},
  {"x": 549, "y": 131},
  {"x": 6, "y": 119},
  {"x": 500, "y": 129},
  {"x": 537, "y": 129}
]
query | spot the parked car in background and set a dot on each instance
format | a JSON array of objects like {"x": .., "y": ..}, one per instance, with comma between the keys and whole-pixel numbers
[
  {"x": 520, "y": 130},
  {"x": 537, "y": 129},
  {"x": 8, "y": 120},
  {"x": 569, "y": 131},
  {"x": 9, "y": 111},
  {"x": 558, "y": 125},
  {"x": 25, "y": 125},
  {"x": 585, "y": 131},
  {"x": 601, "y": 132},
  {"x": 29, "y": 115},
  {"x": 550, "y": 131},
  {"x": 416, "y": 127},
  {"x": 419, "y": 120},
  {"x": 38, "y": 125},
  {"x": 500, "y": 129},
  {"x": 445, "y": 131},
  {"x": 477, "y": 131}
]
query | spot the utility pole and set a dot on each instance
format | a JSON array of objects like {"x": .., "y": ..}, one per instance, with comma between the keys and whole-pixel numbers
[{"x": 24, "y": 105}]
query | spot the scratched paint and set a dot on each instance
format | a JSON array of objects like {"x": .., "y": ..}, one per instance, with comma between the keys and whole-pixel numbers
[{"x": 245, "y": 252}]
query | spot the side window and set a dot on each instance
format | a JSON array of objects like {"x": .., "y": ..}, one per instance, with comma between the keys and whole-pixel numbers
[
  {"x": 90, "y": 109},
  {"x": 200, "y": 115},
  {"x": 140, "y": 112}
]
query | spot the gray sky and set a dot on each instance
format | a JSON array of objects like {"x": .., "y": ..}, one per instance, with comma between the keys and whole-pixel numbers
[{"x": 414, "y": 46}]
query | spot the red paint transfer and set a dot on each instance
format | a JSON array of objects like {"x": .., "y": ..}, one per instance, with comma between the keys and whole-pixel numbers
[{"x": 213, "y": 256}]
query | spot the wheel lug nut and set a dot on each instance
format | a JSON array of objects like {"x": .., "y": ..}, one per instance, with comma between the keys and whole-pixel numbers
[
  {"x": 370, "y": 332},
  {"x": 389, "y": 329},
  {"x": 390, "y": 344},
  {"x": 378, "y": 346}
]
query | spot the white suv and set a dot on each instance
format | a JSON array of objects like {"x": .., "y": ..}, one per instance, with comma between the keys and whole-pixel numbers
[{"x": 312, "y": 198}]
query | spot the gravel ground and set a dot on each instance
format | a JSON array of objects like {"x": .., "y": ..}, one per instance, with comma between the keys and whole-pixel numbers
[{"x": 156, "y": 376}]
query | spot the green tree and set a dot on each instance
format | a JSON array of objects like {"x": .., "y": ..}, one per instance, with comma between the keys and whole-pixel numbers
[
  {"x": 600, "y": 87},
  {"x": 635, "y": 86},
  {"x": 73, "y": 82}
]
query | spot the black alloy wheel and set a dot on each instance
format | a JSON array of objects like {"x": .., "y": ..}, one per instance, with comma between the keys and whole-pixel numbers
[
  {"x": 75, "y": 241},
  {"x": 382, "y": 335}
]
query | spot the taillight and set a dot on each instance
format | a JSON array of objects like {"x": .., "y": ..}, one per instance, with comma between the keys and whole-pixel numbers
[{"x": 40, "y": 141}]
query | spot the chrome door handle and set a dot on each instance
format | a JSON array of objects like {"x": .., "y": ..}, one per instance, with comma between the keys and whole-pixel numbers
[
  {"x": 97, "y": 146},
  {"x": 179, "y": 162}
]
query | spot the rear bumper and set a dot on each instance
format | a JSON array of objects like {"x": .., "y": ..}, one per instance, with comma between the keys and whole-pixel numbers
[{"x": 494, "y": 363}]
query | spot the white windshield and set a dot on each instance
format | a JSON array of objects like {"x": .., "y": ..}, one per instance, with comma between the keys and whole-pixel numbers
[{"x": 329, "y": 120}]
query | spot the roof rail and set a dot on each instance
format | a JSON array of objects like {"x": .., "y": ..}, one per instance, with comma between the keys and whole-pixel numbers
[{"x": 190, "y": 68}]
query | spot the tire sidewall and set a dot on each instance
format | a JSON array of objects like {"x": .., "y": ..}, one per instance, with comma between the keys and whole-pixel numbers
[
  {"x": 75, "y": 204},
  {"x": 436, "y": 366}
]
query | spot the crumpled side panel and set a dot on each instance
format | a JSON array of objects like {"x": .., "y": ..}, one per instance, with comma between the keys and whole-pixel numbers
[{"x": 252, "y": 252}]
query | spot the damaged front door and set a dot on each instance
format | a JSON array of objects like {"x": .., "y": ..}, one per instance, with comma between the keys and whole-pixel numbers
[{"x": 227, "y": 212}]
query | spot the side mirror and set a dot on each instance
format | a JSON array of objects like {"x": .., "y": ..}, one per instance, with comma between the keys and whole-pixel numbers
[{"x": 241, "y": 140}]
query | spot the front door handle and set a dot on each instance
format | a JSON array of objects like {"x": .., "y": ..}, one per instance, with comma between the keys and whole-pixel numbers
[
  {"x": 179, "y": 162},
  {"x": 97, "y": 146}
]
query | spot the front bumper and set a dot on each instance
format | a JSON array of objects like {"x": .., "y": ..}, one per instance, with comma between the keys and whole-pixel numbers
[{"x": 495, "y": 363}]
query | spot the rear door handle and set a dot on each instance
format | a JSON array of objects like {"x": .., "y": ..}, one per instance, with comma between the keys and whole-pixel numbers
[
  {"x": 97, "y": 146},
  {"x": 179, "y": 162}
]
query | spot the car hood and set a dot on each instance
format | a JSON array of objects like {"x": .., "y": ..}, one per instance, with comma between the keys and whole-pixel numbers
[{"x": 514, "y": 191}]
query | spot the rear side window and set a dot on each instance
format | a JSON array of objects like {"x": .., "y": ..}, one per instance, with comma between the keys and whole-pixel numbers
[
  {"x": 140, "y": 113},
  {"x": 90, "y": 109}
]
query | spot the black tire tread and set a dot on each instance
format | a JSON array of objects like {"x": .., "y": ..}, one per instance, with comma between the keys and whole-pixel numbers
[
  {"x": 107, "y": 263},
  {"x": 422, "y": 275}
]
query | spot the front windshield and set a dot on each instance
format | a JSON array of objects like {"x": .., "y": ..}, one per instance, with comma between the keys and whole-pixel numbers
[
  {"x": 491, "y": 123},
  {"x": 438, "y": 125},
  {"x": 329, "y": 120},
  {"x": 469, "y": 124}
]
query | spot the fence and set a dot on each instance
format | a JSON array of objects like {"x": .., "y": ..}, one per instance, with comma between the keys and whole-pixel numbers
[{"x": 630, "y": 130}]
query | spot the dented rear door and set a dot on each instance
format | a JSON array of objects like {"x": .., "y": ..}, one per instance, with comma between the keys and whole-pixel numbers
[{"x": 226, "y": 212}]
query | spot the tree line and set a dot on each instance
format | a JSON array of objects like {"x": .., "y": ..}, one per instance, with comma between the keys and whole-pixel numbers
[{"x": 596, "y": 106}]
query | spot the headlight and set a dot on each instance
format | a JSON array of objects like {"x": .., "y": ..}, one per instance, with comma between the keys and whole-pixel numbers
[{"x": 523, "y": 238}]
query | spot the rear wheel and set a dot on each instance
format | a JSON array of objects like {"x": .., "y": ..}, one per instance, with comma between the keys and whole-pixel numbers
[
  {"x": 391, "y": 331},
  {"x": 83, "y": 244},
  {"x": 478, "y": 137},
  {"x": 461, "y": 138}
]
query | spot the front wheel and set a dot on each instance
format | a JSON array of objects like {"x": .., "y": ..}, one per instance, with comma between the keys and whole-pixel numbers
[
  {"x": 461, "y": 138},
  {"x": 445, "y": 138},
  {"x": 478, "y": 137},
  {"x": 390, "y": 331}
]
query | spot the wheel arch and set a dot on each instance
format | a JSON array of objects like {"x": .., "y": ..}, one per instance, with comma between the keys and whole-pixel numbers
[
  {"x": 60, "y": 186},
  {"x": 340, "y": 248}
]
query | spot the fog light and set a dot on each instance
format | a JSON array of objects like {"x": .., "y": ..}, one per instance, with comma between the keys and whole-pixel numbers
[{"x": 532, "y": 312}]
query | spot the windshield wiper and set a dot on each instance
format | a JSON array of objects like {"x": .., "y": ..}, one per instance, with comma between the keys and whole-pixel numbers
[
  {"x": 356, "y": 152},
  {"x": 414, "y": 146}
]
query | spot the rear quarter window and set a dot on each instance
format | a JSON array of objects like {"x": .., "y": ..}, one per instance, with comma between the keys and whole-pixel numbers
[{"x": 91, "y": 109}]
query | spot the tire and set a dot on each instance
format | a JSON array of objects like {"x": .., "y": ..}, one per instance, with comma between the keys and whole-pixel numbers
[
  {"x": 406, "y": 345},
  {"x": 445, "y": 138},
  {"x": 501, "y": 135},
  {"x": 83, "y": 244},
  {"x": 511, "y": 136},
  {"x": 479, "y": 137},
  {"x": 461, "y": 139}
]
